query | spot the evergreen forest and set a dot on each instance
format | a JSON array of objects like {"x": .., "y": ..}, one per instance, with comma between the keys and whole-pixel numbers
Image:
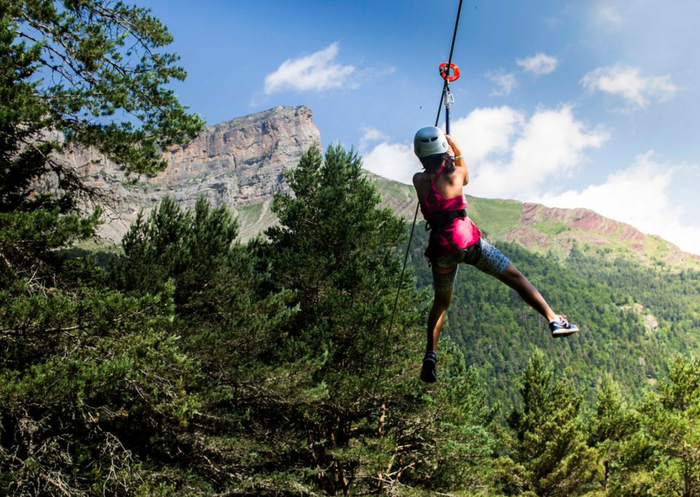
[{"x": 191, "y": 364}]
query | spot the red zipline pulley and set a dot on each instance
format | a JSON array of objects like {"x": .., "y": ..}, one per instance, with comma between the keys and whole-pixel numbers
[{"x": 445, "y": 72}]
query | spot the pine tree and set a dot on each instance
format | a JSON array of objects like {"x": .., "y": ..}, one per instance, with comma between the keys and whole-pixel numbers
[
  {"x": 612, "y": 427},
  {"x": 335, "y": 249},
  {"x": 69, "y": 71},
  {"x": 98, "y": 60},
  {"x": 228, "y": 323},
  {"x": 671, "y": 420},
  {"x": 358, "y": 411},
  {"x": 444, "y": 443},
  {"x": 92, "y": 382},
  {"x": 548, "y": 455}
]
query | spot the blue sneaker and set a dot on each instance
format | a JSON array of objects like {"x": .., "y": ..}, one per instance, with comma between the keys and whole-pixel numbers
[
  {"x": 427, "y": 373},
  {"x": 560, "y": 327}
]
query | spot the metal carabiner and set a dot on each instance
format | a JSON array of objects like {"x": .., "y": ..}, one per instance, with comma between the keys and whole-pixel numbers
[{"x": 449, "y": 98}]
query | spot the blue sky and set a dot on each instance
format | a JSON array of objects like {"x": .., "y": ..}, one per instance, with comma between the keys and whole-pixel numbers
[{"x": 588, "y": 103}]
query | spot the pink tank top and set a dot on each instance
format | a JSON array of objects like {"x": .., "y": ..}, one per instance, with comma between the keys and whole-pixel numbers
[{"x": 462, "y": 231}]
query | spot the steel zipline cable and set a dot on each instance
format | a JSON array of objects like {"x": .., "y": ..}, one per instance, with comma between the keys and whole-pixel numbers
[
  {"x": 449, "y": 64},
  {"x": 415, "y": 216}
]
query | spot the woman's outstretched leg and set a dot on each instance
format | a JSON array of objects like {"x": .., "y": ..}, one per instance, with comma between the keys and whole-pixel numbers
[
  {"x": 532, "y": 297},
  {"x": 527, "y": 291}
]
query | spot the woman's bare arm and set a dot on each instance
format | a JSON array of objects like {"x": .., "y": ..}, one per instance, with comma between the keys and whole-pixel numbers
[{"x": 459, "y": 158}]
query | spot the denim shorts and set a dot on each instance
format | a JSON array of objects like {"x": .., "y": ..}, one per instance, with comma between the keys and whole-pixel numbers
[{"x": 481, "y": 255}]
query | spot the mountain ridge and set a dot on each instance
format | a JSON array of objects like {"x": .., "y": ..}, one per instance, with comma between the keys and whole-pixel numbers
[
  {"x": 551, "y": 230},
  {"x": 241, "y": 163}
]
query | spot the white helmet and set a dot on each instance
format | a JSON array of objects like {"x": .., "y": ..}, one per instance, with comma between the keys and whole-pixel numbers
[{"x": 429, "y": 141}]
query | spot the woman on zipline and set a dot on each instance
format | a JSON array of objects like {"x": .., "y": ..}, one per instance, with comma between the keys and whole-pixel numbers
[{"x": 455, "y": 239}]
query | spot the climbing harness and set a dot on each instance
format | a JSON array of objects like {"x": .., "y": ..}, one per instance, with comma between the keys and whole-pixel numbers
[
  {"x": 437, "y": 223},
  {"x": 441, "y": 220},
  {"x": 447, "y": 99}
]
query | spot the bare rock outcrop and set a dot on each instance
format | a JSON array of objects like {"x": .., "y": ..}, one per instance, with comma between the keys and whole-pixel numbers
[
  {"x": 240, "y": 162},
  {"x": 237, "y": 163}
]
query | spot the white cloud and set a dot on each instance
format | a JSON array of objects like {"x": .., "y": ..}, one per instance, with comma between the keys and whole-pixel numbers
[
  {"x": 392, "y": 160},
  {"x": 550, "y": 144},
  {"x": 640, "y": 195},
  {"x": 370, "y": 135},
  {"x": 481, "y": 133},
  {"x": 606, "y": 14},
  {"x": 486, "y": 131},
  {"x": 505, "y": 82},
  {"x": 539, "y": 64},
  {"x": 512, "y": 155},
  {"x": 509, "y": 155},
  {"x": 317, "y": 71},
  {"x": 626, "y": 82}
]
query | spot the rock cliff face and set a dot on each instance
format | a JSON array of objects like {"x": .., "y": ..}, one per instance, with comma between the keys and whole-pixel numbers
[
  {"x": 240, "y": 162},
  {"x": 237, "y": 163}
]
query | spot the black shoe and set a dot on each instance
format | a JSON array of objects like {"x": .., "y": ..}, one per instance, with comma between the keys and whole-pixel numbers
[{"x": 427, "y": 373}]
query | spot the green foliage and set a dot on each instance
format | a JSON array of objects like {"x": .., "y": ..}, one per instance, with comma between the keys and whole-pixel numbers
[
  {"x": 672, "y": 297},
  {"x": 359, "y": 412},
  {"x": 197, "y": 366},
  {"x": 496, "y": 330},
  {"x": 194, "y": 365},
  {"x": 92, "y": 73},
  {"x": 552, "y": 227},
  {"x": 334, "y": 249},
  {"x": 549, "y": 455},
  {"x": 612, "y": 427},
  {"x": 97, "y": 59},
  {"x": 22, "y": 115},
  {"x": 187, "y": 246},
  {"x": 28, "y": 240},
  {"x": 85, "y": 73},
  {"x": 450, "y": 440},
  {"x": 93, "y": 382},
  {"x": 665, "y": 459},
  {"x": 229, "y": 325},
  {"x": 502, "y": 215},
  {"x": 89, "y": 376}
]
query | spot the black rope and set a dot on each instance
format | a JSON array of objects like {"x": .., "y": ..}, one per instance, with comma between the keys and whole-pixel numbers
[{"x": 415, "y": 216}]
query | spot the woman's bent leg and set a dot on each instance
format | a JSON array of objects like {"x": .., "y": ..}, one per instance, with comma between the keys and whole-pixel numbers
[
  {"x": 436, "y": 318},
  {"x": 443, "y": 283}
]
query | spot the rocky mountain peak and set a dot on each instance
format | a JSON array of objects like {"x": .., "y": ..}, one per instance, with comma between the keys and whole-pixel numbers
[
  {"x": 236, "y": 163},
  {"x": 240, "y": 162}
]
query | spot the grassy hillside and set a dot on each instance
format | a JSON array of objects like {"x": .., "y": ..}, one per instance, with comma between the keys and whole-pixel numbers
[
  {"x": 496, "y": 217},
  {"x": 545, "y": 231}
]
